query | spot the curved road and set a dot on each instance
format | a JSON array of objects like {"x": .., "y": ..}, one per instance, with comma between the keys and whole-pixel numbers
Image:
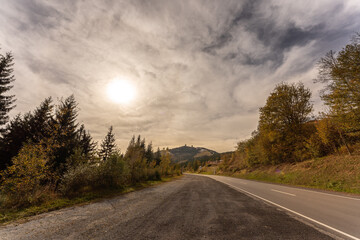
[
  {"x": 334, "y": 212},
  {"x": 192, "y": 207}
]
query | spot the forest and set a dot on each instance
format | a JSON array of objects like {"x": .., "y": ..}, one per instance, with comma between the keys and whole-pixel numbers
[{"x": 47, "y": 154}]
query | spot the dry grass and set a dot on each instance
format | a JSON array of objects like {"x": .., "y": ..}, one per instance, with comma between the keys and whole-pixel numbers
[{"x": 335, "y": 173}]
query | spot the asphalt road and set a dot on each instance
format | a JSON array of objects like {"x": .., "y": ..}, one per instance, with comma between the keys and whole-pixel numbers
[
  {"x": 192, "y": 207},
  {"x": 337, "y": 213}
]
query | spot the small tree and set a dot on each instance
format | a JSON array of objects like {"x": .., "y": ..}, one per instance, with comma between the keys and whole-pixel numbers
[
  {"x": 108, "y": 145},
  {"x": 165, "y": 163},
  {"x": 6, "y": 78},
  {"x": 135, "y": 158},
  {"x": 27, "y": 176}
]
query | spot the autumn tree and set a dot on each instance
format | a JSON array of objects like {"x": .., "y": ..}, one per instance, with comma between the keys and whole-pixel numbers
[
  {"x": 341, "y": 74},
  {"x": 135, "y": 158},
  {"x": 165, "y": 162},
  {"x": 27, "y": 176},
  {"x": 282, "y": 123},
  {"x": 108, "y": 145},
  {"x": 6, "y": 78}
]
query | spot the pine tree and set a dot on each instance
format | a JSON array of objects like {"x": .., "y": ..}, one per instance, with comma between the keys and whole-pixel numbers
[
  {"x": 85, "y": 141},
  {"x": 63, "y": 133},
  {"x": 157, "y": 156},
  {"x": 33, "y": 126},
  {"x": 149, "y": 154},
  {"x": 108, "y": 145},
  {"x": 6, "y": 78},
  {"x": 40, "y": 119}
]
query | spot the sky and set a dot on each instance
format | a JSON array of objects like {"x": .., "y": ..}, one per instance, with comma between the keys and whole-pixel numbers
[{"x": 201, "y": 69}]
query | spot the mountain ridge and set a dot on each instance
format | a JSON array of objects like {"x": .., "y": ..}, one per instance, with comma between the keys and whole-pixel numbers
[{"x": 189, "y": 153}]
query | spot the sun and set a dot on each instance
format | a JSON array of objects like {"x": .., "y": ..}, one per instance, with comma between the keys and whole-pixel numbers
[{"x": 121, "y": 91}]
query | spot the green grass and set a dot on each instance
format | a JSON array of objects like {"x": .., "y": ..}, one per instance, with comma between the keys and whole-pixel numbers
[
  {"x": 10, "y": 215},
  {"x": 333, "y": 173}
]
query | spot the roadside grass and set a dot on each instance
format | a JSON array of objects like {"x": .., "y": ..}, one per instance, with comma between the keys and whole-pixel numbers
[
  {"x": 58, "y": 202},
  {"x": 334, "y": 173}
]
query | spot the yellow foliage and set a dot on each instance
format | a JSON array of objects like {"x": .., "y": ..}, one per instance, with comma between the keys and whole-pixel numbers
[{"x": 24, "y": 178}]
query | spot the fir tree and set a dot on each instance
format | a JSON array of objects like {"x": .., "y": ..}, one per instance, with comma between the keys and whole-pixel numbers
[
  {"x": 63, "y": 133},
  {"x": 85, "y": 141},
  {"x": 149, "y": 154},
  {"x": 32, "y": 127},
  {"x": 6, "y": 78},
  {"x": 108, "y": 145}
]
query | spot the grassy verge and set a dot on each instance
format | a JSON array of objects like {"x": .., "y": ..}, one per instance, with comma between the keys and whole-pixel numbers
[
  {"x": 9, "y": 215},
  {"x": 334, "y": 173}
]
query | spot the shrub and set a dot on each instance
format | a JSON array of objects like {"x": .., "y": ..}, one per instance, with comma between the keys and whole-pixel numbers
[
  {"x": 27, "y": 180},
  {"x": 153, "y": 174},
  {"x": 85, "y": 177}
]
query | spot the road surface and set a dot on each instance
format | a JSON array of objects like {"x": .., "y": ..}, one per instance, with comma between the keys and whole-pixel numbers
[
  {"x": 338, "y": 213},
  {"x": 192, "y": 207}
]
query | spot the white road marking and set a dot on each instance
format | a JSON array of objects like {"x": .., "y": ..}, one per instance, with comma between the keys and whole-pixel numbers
[
  {"x": 244, "y": 183},
  {"x": 292, "y": 211},
  {"x": 312, "y": 191},
  {"x": 334, "y": 195},
  {"x": 283, "y": 192}
]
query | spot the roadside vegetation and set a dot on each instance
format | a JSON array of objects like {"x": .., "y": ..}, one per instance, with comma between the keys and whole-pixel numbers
[
  {"x": 48, "y": 160},
  {"x": 293, "y": 146}
]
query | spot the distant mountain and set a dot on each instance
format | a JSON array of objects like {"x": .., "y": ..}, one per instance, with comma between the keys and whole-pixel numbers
[{"x": 186, "y": 153}]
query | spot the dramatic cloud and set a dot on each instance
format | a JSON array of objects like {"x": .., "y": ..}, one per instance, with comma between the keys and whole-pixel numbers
[{"x": 202, "y": 68}]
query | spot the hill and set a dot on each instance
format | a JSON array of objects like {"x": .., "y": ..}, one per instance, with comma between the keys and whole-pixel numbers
[{"x": 187, "y": 153}]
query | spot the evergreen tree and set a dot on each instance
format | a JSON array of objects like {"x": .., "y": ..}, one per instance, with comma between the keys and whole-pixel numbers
[
  {"x": 63, "y": 133},
  {"x": 108, "y": 145},
  {"x": 31, "y": 127},
  {"x": 6, "y": 78},
  {"x": 40, "y": 121},
  {"x": 85, "y": 142},
  {"x": 157, "y": 156},
  {"x": 14, "y": 136},
  {"x": 149, "y": 154}
]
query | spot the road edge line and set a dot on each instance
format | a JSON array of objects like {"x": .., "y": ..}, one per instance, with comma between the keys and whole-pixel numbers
[{"x": 292, "y": 211}]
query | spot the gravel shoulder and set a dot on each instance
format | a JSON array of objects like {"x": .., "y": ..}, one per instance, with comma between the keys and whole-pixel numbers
[{"x": 192, "y": 207}]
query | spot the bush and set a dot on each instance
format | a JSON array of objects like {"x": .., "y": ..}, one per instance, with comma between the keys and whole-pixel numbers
[
  {"x": 153, "y": 174},
  {"x": 27, "y": 181},
  {"x": 85, "y": 177}
]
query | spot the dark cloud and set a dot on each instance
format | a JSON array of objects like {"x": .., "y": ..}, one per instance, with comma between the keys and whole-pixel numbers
[{"x": 202, "y": 68}]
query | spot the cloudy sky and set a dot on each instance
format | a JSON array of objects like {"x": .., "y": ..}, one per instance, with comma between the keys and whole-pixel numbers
[{"x": 201, "y": 69}]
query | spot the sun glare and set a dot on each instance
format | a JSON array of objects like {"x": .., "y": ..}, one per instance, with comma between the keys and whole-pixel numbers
[{"x": 121, "y": 91}]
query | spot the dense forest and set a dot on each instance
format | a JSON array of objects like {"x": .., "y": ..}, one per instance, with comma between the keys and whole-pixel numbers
[
  {"x": 288, "y": 132},
  {"x": 46, "y": 152}
]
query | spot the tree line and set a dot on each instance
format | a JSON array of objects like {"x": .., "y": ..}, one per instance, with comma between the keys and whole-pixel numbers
[
  {"x": 287, "y": 131},
  {"x": 46, "y": 151}
]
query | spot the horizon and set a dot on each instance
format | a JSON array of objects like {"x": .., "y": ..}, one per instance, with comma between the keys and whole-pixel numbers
[{"x": 173, "y": 72}]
